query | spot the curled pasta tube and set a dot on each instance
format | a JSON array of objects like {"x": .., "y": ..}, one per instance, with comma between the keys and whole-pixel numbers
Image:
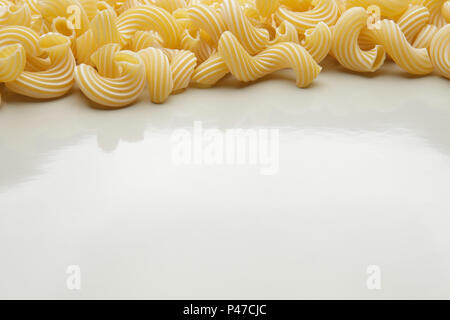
[
  {"x": 159, "y": 76},
  {"x": 210, "y": 71},
  {"x": 279, "y": 56},
  {"x": 435, "y": 8},
  {"x": 182, "y": 65},
  {"x": 12, "y": 62},
  {"x": 391, "y": 9},
  {"x": 54, "y": 82},
  {"x": 345, "y": 47},
  {"x": 413, "y": 20},
  {"x": 123, "y": 88},
  {"x": 445, "y": 11},
  {"x": 25, "y": 36},
  {"x": 149, "y": 17},
  {"x": 440, "y": 51},
  {"x": 318, "y": 41},
  {"x": 425, "y": 36},
  {"x": 15, "y": 14},
  {"x": 326, "y": 11},
  {"x": 413, "y": 60}
]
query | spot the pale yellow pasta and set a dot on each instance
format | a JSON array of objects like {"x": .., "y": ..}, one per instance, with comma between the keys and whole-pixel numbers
[
  {"x": 412, "y": 60},
  {"x": 112, "y": 92},
  {"x": 267, "y": 7},
  {"x": 85, "y": 47},
  {"x": 318, "y": 41},
  {"x": 326, "y": 11},
  {"x": 297, "y": 5},
  {"x": 285, "y": 32},
  {"x": 149, "y": 17},
  {"x": 440, "y": 51},
  {"x": 210, "y": 71},
  {"x": 34, "y": 6},
  {"x": 182, "y": 65},
  {"x": 279, "y": 56},
  {"x": 15, "y": 14},
  {"x": 170, "y": 5},
  {"x": 389, "y": 8},
  {"x": 24, "y": 36},
  {"x": 39, "y": 25},
  {"x": 196, "y": 44},
  {"x": 12, "y": 62},
  {"x": 90, "y": 7},
  {"x": 208, "y": 19},
  {"x": 445, "y": 11},
  {"x": 159, "y": 75},
  {"x": 345, "y": 45},
  {"x": 145, "y": 39},
  {"x": 51, "y": 9},
  {"x": 413, "y": 20},
  {"x": 62, "y": 26},
  {"x": 54, "y": 82},
  {"x": 425, "y": 36},
  {"x": 435, "y": 8},
  {"x": 104, "y": 29}
]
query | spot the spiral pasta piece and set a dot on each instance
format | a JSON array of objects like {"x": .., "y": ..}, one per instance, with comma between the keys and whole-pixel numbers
[
  {"x": 425, "y": 36},
  {"x": 24, "y": 36},
  {"x": 435, "y": 8},
  {"x": 15, "y": 14},
  {"x": 413, "y": 60},
  {"x": 149, "y": 17},
  {"x": 440, "y": 51},
  {"x": 12, "y": 62},
  {"x": 345, "y": 45},
  {"x": 318, "y": 41},
  {"x": 413, "y": 21},
  {"x": 113, "y": 92},
  {"x": 279, "y": 56},
  {"x": 53, "y": 82},
  {"x": 325, "y": 11}
]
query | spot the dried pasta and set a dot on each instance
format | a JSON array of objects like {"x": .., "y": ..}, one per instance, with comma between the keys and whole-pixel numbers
[{"x": 114, "y": 49}]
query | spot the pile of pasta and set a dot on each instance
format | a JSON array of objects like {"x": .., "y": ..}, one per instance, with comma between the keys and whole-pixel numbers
[{"x": 113, "y": 50}]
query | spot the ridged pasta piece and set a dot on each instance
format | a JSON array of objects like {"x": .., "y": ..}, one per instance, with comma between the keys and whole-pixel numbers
[
  {"x": 297, "y": 5},
  {"x": 104, "y": 29},
  {"x": 149, "y": 17},
  {"x": 345, "y": 45},
  {"x": 158, "y": 72},
  {"x": 61, "y": 25},
  {"x": 34, "y": 7},
  {"x": 267, "y": 7},
  {"x": 39, "y": 25},
  {"x": 413, "y": 20},
  {"x": 440, "y": 51},
  {"x": 196, "y": 44},
  {"x": 15, "y": 14},
  {"x": 90, "y": 7},
  {"x": 285, "y": 32},
  {"x": 210, "y": 71},
  {"x": 413, "y": 60},
  {"x": 25, "y": 36},
  {"x": 12, "y": 62},
  {"x": 112, "y": 92},
  {"x": 85, "y": 47},
  {"x": 51, "y": 83},
  {"x": 51, "y": 9},
  {"x": 182, "y": 65},
  {"x": 318, "y": 41},
  {"x": 208, "y": 19},
  {"x": 435, "y": 8},
  {"x": 170, "y": 5},
  {"x": 425, "y": 36},
  {"x": 325, "y": 11},
  {"x": 391, "y": 9},
  {"x": 279, "y": 56},
  {"x": 145, "y": 39}
]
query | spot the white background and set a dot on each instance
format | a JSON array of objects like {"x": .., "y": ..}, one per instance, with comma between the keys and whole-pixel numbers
[{"x": 364, "y": 180}]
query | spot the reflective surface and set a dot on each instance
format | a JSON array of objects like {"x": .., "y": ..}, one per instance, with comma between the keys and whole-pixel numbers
[{"x": 364, "y": 179}]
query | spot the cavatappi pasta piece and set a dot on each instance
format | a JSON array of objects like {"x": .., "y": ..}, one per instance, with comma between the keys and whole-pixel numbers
[
  {"x": 413, "y": 60},
  {"x": 267, "y": 7},
  {"x": 318, "y": 41},
  {"x": 158, "y": 72},
  {"x": 345, "y": 45},
  {"x": 435, "y": 8},
  {"x": 208, "y": 19},
  {"x": 210, "y": 71},
  {"x": 391, "y": 9},
  {"x": 279, "y": 56},
  {"x": 145, "y": 39},
  {"x": 15, "y": 14},
  {"x": 285, "y": 32},
  {"x": 12, "y": 62},
  {"x": 25, "y": 36},
  {"x": 325, "y": 11},
  {"x": 149, "y": 17},
  {"x": 440, "y": 51},
  {"x": 53, "y": 82},
  {"x": 112, "y": 92},
  {"x": 196, "y": 44},
  {"x": 104, "y": 29},
  {"x": 413, "y": 20},
  {"x": 182, "y": 65},
  {"x": 425, "y": 36}
]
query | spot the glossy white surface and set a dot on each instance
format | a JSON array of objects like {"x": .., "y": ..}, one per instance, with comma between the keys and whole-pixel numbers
[{"x": 364, "y": 180}]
